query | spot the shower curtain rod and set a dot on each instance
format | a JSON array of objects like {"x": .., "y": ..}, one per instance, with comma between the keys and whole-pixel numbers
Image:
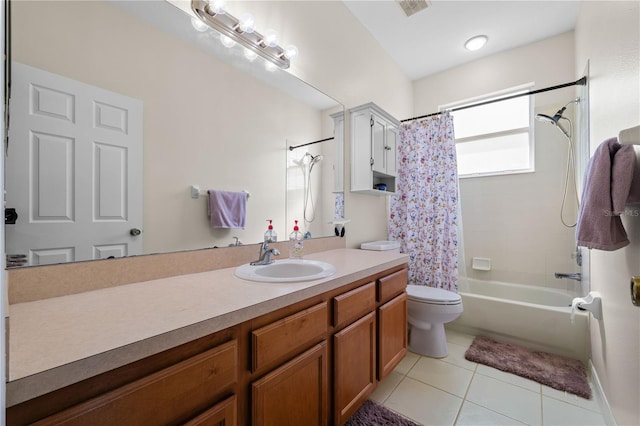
[
  {"x": 291, "y": 148},
  {"x": 580, "y": 82}
]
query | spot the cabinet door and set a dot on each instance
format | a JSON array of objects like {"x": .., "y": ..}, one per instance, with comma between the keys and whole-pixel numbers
[
  {"x": 378, "y": 144},
  {"x": 392, "y": 334},
  {"x": 391, "y": 165},
  {"x": 361, "y": 178},
  {"x": 294, "y": 394},
  {"x": 354, "y": 366}
]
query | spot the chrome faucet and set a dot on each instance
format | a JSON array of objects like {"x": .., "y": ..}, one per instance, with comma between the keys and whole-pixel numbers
[
  {"x": 577, "y": 276},
  {"x": 265, "y": 254}
]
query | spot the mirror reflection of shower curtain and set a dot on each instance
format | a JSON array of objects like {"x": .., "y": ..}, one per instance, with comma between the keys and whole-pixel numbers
[{"x": 425, "y": 212}]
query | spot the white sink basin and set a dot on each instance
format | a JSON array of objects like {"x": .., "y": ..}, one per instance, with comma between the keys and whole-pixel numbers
[{"x": 286, "y": 270}]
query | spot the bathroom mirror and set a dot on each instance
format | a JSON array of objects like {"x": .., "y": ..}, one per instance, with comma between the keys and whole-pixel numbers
[{"x": 207, "y": 119}]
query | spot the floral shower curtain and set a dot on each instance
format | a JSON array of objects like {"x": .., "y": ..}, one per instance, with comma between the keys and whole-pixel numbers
[{"x": 424, "y": 213}]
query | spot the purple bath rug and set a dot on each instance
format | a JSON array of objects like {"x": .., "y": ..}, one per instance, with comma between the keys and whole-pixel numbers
[
  {"x": 372, "y": 414},
  {"x": 558, "y": 372}
]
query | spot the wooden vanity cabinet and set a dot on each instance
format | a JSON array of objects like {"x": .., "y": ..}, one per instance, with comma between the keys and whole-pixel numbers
[
  {"x": 170, "y": 396},
  {"x": 296, "y": 392},
  {"x": 392, "y": 345},
  {"x": 392, "y": 317},
  {"x": 221, "y": 414},
  {"x": 354, "y": 366},
  {"x": 311, "y": 363}
]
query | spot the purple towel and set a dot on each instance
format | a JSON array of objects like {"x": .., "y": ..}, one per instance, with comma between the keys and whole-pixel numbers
[
  {"x": 227, "y": 209},
  {"x": 607, "y": 184},
  {"x": 634, "y": 191}
]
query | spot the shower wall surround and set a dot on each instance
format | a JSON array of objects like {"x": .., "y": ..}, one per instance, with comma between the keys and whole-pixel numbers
[{"x": 514, "y": 219}]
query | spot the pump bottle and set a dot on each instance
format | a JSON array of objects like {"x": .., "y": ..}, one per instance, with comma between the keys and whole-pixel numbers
[
  {"x": 270, "y": 236},
  {"x": 296, "y": 243}
]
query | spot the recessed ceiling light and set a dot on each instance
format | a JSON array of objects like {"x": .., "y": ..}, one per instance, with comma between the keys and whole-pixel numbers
[{"x": 475, "y": 43}]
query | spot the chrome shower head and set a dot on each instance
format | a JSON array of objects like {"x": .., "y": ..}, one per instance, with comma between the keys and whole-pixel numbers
[
  {"x": 557, "y": 116},
  {"x": 547, "y": 119},
  {"x": 310, "y": 159}
]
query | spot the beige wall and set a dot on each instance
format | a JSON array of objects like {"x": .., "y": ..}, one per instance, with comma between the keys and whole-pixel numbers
[
  {"x": 339, "y": 57},
  {"x": 514, "y": 219},
  {"x": 608, "y": 35}
]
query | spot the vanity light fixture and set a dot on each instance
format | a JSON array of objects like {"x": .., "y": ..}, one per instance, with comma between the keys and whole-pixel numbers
[
  {"x": 242, "y": 30},
  {"x": 226, "y": 41},
  {"x": 199, "y": 25},
  {"x": 475, "y": 43}
]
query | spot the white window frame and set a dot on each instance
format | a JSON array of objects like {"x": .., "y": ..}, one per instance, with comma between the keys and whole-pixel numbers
[{"x": 502, "y": 93}]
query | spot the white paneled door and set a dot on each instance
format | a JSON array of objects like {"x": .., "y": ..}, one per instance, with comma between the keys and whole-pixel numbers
[{"x": 73, "y": 170}]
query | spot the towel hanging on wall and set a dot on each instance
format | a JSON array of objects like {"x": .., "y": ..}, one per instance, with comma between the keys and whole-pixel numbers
[
  {"x": 607, "y": 185},
  {"x": 227, "y": 209}
]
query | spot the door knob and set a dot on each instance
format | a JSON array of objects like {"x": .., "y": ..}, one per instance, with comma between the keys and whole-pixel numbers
[
  {"x": 10, "y": 216},
  {"x": 135, "y": 232}
]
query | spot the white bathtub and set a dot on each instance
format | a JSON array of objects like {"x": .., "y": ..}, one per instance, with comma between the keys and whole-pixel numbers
[{"x": 535, "y": 317}]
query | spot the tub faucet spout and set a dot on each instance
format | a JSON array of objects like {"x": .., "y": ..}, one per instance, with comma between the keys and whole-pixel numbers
[{"x": 576, "y": 276}]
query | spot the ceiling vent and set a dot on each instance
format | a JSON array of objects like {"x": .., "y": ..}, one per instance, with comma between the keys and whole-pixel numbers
[{"x": 411, "y": 7}]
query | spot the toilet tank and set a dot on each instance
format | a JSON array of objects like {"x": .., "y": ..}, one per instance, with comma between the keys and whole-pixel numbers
[{"x": 385, "y": 245}]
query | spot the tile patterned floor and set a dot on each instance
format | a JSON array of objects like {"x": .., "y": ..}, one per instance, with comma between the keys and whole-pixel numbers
[{"x": 454, "y": 391}]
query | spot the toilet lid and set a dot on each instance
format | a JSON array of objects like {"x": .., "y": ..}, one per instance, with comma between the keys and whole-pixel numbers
[{"x": 423, "y": 293}]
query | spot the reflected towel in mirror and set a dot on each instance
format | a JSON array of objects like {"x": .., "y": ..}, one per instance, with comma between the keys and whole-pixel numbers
[{"x": 227, "y": 209}]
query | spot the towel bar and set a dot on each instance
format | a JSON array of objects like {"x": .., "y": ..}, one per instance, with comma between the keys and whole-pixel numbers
[
  {"x": 196, "y": 192},
  {"x": 630, "y": 136}
]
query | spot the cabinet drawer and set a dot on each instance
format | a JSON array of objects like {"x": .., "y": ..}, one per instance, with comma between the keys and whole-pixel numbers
[
  {"x": 171, "y": 395},
  {"x": 392, "y": 285},
  {"x": 221, "y": 414},
  {"x": 288, "y": 336},
  {"x": 353, "y": 304}
]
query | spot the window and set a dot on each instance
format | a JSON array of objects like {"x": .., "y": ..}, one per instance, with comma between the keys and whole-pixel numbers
[{"x": 495, "y": 138}]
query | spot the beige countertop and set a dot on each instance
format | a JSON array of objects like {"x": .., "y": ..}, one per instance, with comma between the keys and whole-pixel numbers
[{"x": 59, "y": 341}]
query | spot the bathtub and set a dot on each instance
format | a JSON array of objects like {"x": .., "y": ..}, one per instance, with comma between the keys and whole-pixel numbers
[{"x": 532, "y": 316}]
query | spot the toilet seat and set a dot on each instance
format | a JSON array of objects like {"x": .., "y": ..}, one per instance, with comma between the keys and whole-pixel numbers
[{"x": 433, "y": 296}]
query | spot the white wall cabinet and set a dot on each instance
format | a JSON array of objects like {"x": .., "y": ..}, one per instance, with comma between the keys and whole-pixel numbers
[{"x": 374, "y": 139}]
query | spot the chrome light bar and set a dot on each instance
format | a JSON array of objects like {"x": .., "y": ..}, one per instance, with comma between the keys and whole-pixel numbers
[{"x": 231, "y": 27}]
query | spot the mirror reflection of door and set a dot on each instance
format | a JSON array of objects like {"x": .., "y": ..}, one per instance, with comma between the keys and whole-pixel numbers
[{"x": 80, "y": 197}]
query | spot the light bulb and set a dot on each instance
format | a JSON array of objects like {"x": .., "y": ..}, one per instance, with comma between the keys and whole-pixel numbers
[
  {"x": 270, "y": 38},
  {"x": 247, "y": 23},
  {"x": 250, "y": 54},
  {"x": 215, "y": 7},
  {"x": 475, "y": 43},
  {"x": 291, "y": 52},
  {"x": 227, "y": 41},
  {"x": 270, "y": 66},
  {"x": 199, "y": 25}
]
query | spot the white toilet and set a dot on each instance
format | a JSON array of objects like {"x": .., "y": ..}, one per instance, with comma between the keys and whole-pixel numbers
[{"x": 429, "y": 309}]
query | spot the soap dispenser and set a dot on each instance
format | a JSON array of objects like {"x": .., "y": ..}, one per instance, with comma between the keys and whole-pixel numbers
[
  {"x": 270, "y": 236},
  {"x": 296, "y": 243}
]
